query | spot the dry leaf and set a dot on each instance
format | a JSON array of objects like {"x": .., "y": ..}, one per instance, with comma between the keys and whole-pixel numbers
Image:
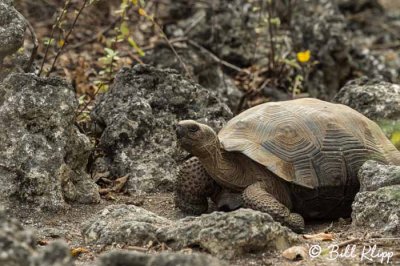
[
  {"x": 136, "y": 248},
  {"x": 295, "y": 253},
  {"x": 320, "y": 237},
  {"x": 42, "y": 242},
  {"x": 109, "y": 197},
  {"x": 104, "y": 191},
  {"x": 120, "y": 183},
  {"x": 77, "y": 251}
]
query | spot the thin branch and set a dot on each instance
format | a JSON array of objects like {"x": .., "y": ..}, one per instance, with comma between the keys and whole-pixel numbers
[
  {"x": 172, "y": 48},
  {"x": 96, "y": 36},
  {"x": 35, "y": 46},
  {"x": 392, "y": 45},
  {"x": 256, "y": 34},
  {"x": 103, "y": 84},
  {"x": 271, "y": 35},
  {"x": 216, "y": 58},
  {"x": 58, "y": 19},
  {"x": 194, "y": 24},
  {"x": 66, "y": 37},
  {"x": 90, "y": 101}
]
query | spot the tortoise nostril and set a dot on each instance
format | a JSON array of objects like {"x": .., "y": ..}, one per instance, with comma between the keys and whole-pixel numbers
[{"x": 180, "y": 131}]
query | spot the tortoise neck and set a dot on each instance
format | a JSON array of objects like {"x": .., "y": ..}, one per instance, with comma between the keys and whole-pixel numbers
[
  {"x": 212, "y": 157},
  {"x": 228, "y": 168}
]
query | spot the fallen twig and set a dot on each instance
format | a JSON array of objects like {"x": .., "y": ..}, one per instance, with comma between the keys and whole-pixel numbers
[
  {"x": 347, "y": 242},
  {"x": 392, "y": 45},
  {"x": 137, "y": 248}
]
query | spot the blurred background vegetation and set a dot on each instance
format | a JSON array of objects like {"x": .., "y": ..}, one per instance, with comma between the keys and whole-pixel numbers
[{"x": 250, "y": 51}]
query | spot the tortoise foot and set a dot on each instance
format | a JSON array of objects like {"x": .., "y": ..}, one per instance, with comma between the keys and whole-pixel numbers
[
  {"x": 295, "y": 222},
  {"x": 257, "y": 198}
]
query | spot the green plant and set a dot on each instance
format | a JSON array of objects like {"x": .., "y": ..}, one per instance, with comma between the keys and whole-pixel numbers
[{"x": 64, "y": 34}]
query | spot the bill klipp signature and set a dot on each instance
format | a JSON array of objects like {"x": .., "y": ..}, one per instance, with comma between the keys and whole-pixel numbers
[{"x": 366, "y": 253}]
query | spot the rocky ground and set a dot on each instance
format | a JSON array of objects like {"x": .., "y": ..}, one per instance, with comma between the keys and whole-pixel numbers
[
  {"x": 69, "y": 225},
  {"x": 88, "y": 177}
]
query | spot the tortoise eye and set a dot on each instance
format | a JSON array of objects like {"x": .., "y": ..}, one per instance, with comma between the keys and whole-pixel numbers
[{"x": 193, "y": 128}]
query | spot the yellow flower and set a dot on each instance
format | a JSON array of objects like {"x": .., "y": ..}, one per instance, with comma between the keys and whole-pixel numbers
[
  {"x": 395, "y": 138},
  {"x": 304, "y": 56},
  {"x": 60, "y": 43}
]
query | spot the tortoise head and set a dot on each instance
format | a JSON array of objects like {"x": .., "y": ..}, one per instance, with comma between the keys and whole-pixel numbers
[{"x": 196, "y": 138}]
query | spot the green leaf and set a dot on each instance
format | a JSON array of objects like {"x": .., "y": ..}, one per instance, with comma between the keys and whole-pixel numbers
[
  {"x": 124, "y": 29},
  {"x": 136, "y": 47},
  {"x": 103, "y": 88},
  {"x": 293, "y": 63},
  {"x": 109, "y": 51},
  {"x": 48, "y": 41},
  {"x": 276, "y": 21},
  {"x": 81, "y": 99},
  {"x": 120, "y": 38}
]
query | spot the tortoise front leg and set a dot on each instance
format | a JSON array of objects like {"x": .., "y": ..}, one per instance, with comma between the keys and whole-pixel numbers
[
  {"x": 257, "y": 198},
  {"x": 193, "y": 187}
]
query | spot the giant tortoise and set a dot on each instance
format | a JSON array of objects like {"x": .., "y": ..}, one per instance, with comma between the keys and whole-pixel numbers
[{"x": 294, "y": 159}]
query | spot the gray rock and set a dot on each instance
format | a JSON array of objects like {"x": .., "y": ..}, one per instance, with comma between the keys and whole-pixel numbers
[
  {"x": 369, "y": 38},
  {"x": 123, "y": 224},
  {"x": 12, "y": 29},
  {"x": 53, "y": 232},
  {"x": 18, "y": 247},
  {"x": 227, "y": 235},
  {"x": 356, "y": 6},
  {"x": 338, "y": 43},
  {"x": 378, "y": 210},
  {"x": 16, "y": 244},
  {"x": 137, "y": 117},
  {"x": 57, "y": 253},
  {"x": 373, "y": 175},
  {"x": 202, "y": 69},
  {"x": 319, "y": 27},
  {"x": 222, "y": 234},
  {"x": 126, "y": 258},
  {"x": 373, "y": 98},
  {"x": 377, "y": 206},
  {"x": 226, "y": 28},
  {"x": 42, "y": 154}
]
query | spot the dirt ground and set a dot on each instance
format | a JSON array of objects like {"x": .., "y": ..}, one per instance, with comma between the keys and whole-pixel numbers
[{"x": 67, "y": 226}]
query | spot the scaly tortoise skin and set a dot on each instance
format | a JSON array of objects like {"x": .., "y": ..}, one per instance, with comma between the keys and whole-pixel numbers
[{"x": 292, "y": 159}]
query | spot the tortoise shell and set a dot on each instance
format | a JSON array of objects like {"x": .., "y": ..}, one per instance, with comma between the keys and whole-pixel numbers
[{"x": 308, "y": 142}]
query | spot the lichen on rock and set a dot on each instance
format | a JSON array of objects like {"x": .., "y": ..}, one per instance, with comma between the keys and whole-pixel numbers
[
  {"x": 18, "y": 246},
  {"x": 377, "y": 206},
  {"x": 136, "y": 120},
  {"x": 42, "y": 154},
  {"x": 224, "y": 235},
  {"x": 12, "y": 29},
  {"x": 126, "y": 258},
  {"x": 376, "y": 99}
]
